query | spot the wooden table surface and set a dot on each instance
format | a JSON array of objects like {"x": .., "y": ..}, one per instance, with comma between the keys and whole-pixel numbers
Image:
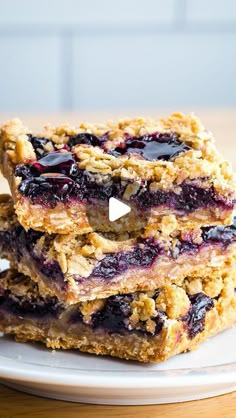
[{"x": 18, "y": 405}]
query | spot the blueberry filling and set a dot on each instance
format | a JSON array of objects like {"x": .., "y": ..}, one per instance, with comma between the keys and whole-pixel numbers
[
  {"x": 183, "y": 247},
  {"x": 50, "y": 269},
  {"x": 23, "y": 171},
  {"x": 152, "y": 147},
  {"x": 223, "y": 234},
  {"x": 85, "y": 138},
  {"x": 25, "y": 307},
  {"x": 195, "y": 318},
  {"x": 114, "y": 313},
  {"x": 114, "y": 317},
  {"x": 142, "y": 255},
  {"x": 156, "y": 146},
  {"x": 58, "y": 162},
  {"x": 38, "y": 144},
  {"x": 56, "y": 177},
  {"x": 58, "y": 186},
  {"x": 188, "y": 199},
  {"x": 24, "y": 241},
  {"x": 55, "y": 162},
  {"x": 190, "y": 196},
  {"x": 48, "y": 191},
  {"x": 113, "y": 264}
]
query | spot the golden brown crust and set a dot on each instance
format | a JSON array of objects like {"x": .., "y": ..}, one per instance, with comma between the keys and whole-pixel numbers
[
  {"x": 173, "y": 338},
  {"x": 132, "y": 347},
  {"x": 78, "y": 255},
  {"x": 201, "y": 162},
  {"x": 161, "y": 273}
]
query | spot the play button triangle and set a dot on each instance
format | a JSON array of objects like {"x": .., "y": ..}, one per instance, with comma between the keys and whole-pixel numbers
[{"x": 117, "y": 209}]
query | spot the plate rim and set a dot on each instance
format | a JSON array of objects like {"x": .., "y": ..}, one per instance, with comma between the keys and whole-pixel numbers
[{"x": 43, "y": 374}]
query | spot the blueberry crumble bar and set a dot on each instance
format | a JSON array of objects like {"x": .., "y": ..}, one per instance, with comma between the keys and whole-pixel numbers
[
  {"x": 152, "y": 284},
  {"x": 85, "y": 267},
  {"x": 164, "y": 167},
  {"x": 149, "y": 327}
]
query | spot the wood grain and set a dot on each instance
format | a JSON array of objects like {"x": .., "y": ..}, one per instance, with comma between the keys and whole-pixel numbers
[{"x": 18, "y": 405}]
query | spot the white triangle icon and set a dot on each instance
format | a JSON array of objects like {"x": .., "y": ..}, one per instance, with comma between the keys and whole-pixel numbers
[{"x": 117, "y": 209}]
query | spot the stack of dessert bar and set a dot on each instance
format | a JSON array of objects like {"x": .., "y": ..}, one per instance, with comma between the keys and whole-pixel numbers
[{"x": 145, "y": 287}]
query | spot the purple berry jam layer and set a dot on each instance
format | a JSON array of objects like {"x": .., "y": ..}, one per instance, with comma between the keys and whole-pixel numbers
[
  {"x": 86, "y": 267},
  {"x": 157, "y": 167},
  {"x": 56, "y": 178},
  {"x": 148, "y": 327}
]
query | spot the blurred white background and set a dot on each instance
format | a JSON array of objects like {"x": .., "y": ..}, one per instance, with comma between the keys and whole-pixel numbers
[{"x": 127, "y": 54}]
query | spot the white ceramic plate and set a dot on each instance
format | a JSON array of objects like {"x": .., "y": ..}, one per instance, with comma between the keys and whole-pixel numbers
[{"x": 73, "y": 376}]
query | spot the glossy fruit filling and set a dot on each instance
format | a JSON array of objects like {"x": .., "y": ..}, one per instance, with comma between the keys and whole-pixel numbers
[
  {"x": 55, "y": 176},
  {"x": 152, "y": 147},
  {"x": 200, "y": 305},
  {"x": 155, "y": 146}
]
